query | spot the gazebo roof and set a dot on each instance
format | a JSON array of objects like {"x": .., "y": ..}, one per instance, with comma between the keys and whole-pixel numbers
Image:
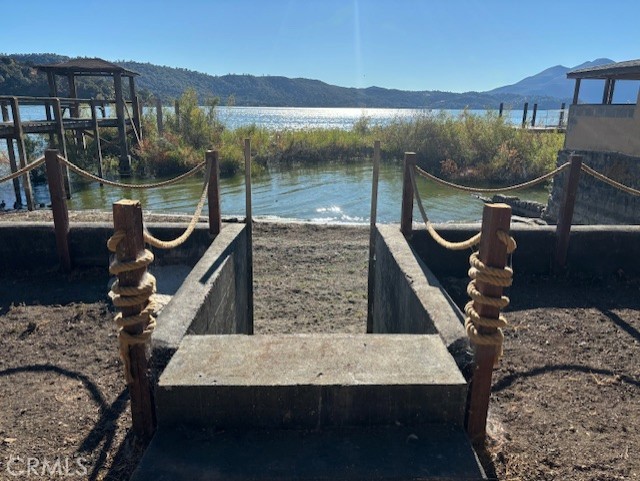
[
  {"x": 628, "y": 70},
  {"x": 86, "y": 66}
]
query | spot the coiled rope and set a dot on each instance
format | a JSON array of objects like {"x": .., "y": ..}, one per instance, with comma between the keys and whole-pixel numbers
[
  {"x": 498, "y": 277},
  {"x": 524, "y": 185},
  {"x": 36, "y": 163},
  {"x": 611, "y": 182},
  {"x": 95, "y": 178},
  {"x": 129, "y": 296}
]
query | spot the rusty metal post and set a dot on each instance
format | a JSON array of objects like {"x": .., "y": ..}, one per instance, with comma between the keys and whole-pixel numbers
[
  {"x": 215, "y": 221},
  {"x": 406, "y": 215},
  {"x": 372, "y": 236},
  {"x": 127, "y": 218},
  {"x": 565, "y": 216},
  {"x": 59, "y": 207},
  {"x": 493, "y": 253}
]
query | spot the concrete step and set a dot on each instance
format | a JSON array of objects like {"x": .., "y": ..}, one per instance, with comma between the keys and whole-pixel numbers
[
  {"x": 310, "y": 381},
  {"x": 382, "y": 453}
]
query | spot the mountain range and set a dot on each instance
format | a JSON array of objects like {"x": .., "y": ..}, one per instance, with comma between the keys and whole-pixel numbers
[{"x": 548, "y": 88}]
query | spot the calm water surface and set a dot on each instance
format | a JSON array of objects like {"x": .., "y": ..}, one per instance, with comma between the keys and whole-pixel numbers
[{"x": 329, "y": 192}]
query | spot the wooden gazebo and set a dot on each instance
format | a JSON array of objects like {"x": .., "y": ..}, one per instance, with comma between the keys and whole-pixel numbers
[{"x": 96, "y": 67}]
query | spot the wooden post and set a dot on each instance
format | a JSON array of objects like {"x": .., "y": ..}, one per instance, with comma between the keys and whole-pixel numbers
[
  {"x": 75, "y": 110},
  {"x": 177, "y": 109},
  {"x": 159, "y": 116},
  {"x": 565, "y": 216},
  {"x": 576, "y": 92},
  {"x": 22, "y": 151},
  {"x": 135, "y": 106},
  {"x": 534, "y": 114},
  {"x": 215, "y": 221},
  {"x": 372, "y": 236},
  {"x": 493, "y": 253},
  {"x": 96, "y": 136},
  {"x": 59, "y": 207},
  {"x": 49, "y": 117},
  {"x": 249, "y": 222},
  {"x": 125, "y": 160},
  {"x": 406, "y": 215},
  {"x": 561, "y": 120},
  {"x": 62, "y": 143},
  {"x": 501, "y": 109},
  {"x": 127, "y": 217},
  {"x": 12, "y": 158},
  {"x": 524, "y": 114}
]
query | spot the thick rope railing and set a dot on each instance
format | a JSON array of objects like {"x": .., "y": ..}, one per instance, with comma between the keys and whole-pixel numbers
[
  {"x": 161, "y": 244},
  {"x": 608, "y": 180},
  {"x": 35, "y": 164},
  {"x": 95, "y": 178},
  {"x": 142, "y": 294},
  {"x": 477, "y": 272},
  {"x": 456, "y": 246},
  {"x": 524, "y": 185},
  {"x": 499, "y": 277}
]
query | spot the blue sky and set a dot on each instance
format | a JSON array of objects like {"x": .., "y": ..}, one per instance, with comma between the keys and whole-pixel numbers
[{"x": 455, "y": 45}]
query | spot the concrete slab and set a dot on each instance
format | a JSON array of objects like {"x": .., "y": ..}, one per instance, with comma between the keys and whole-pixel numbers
[
  {"x": 428, "y": 452},
  {"x": 310, "y": 381}
]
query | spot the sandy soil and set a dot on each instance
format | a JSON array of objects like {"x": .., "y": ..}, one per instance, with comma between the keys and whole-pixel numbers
[{"x": 564, "y": 403}]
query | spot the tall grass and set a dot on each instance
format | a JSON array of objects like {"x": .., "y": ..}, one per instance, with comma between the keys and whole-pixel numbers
[{"x": 467, "y": 147}]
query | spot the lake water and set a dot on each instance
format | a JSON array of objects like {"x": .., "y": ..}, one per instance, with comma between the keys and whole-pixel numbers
[{"x": 329, "y": 192}]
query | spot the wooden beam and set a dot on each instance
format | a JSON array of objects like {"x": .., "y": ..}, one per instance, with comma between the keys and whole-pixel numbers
[
  {"x": 12, "y": 159},
  {"x": 215, "y": 220},
  {"x": 372, "y": 236},
  {"x": 576, "y": 92},
  {"x": 125, "y": 160},
  {"x": 75, "y": 111},
  {"x": 62, "y": 144},
  {"x": 127, "y": 218},
  {"x": 58, "y": 207},
  {"x": 96, "y": 136},
  {"x": 605, "y": 93},
  {"x": 565, "y": 216},
  {"x": 493, "y": 253},
  {"x": 249, "y": 223},
  {"x": 22, "y": 151},
  {"x": 406, "y": 214},
  {"x": 135, "y": 106}
]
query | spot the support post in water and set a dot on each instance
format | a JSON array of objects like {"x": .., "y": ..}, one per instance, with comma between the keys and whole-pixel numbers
[
  {"x": 372, "y": 235},
  {"x": 524, "y": 114},
  {"x": 561, "y": 119},
  {"x": 12, "y": 158},
  {"x": 22, "y": 151},
  {"x": 501, "y": 109},
  {"x": 565, "y": 216},
  {"x": 534, "y": 115},
  {"x": 215, "y": 221},
  {"x": 58, "y": 207},
  {"x": 249, "y": 222},
  {"x": 127, "y": 219},
  {"x": 406, "y": 215},
  {"x": 493, "y": 253},
  {"x": 96, "y": 134}
]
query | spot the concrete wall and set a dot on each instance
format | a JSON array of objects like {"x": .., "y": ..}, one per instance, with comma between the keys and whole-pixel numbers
[
  {"x": 593, "y": 250},
  {"x": 408, "y": 299},
  {"x": 32, "y": 245},
  {"x": 597, "y": 202},
  {"x": 212, "y": 299},
  {"x": 605, "y": 128}
]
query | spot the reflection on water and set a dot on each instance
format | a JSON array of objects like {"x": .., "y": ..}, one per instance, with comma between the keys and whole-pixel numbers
[{"x": 335, "y": 192}]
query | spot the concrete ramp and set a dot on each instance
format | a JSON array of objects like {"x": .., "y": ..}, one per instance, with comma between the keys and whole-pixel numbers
[{"x": 310, "y": 406}]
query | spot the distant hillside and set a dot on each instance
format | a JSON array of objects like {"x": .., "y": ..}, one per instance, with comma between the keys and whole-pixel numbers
[
  {"x": 18, "y": 78},
  {"x": 554, "y": 83}
]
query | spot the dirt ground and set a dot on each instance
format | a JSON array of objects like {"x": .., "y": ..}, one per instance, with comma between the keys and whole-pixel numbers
[{"x": 565, "y": 397}]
